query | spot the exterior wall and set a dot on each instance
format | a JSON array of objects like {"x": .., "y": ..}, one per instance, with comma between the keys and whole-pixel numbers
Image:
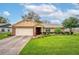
[
  {"x": 44, "y": 29},
  {"x": 63, "y": 30},
  {"x": 41, "y": 29},
  {"x": 24, "y": 31},
  {"x": 51, "y": 30},
  {"x": 66, "y": 30},
  {"x": 13, "y": 30},
  {"x": 6, "y": 30},
  {"x": 34, "y": 31},
  {"x": 73, "y": 29}
]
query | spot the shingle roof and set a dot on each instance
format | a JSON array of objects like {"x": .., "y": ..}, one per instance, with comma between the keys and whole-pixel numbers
[
  {"x": 5, "y": 25},
  {"x": 25, "y": 23},
  {"x": 52, "y": 25}
]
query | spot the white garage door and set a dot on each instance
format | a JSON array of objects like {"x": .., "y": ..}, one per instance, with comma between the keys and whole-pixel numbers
[{"x": 24, "y": 31}]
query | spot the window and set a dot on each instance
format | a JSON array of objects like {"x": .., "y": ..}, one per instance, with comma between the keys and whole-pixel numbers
[
  {"x": 3, "y": 30},
  {"x": 8, "y": 30},
  {"x": 48, "y": 30}
]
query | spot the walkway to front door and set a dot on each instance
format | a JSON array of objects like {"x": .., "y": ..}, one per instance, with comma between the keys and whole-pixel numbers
[{"x": 13, "y": 45}]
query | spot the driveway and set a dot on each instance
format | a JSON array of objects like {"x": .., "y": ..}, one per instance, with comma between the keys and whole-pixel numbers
[{"x": 13, "y": 45}]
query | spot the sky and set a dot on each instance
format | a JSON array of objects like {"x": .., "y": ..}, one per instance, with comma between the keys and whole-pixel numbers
[{"x": 53, "y": 12}]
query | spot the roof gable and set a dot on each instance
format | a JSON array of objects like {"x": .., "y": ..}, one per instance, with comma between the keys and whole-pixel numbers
[{"x": 25, "y": 23}]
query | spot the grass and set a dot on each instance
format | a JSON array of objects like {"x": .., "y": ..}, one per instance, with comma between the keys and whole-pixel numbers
[
  {"x": 53, "y": 45},
  {"x": 4, "y": 35}
]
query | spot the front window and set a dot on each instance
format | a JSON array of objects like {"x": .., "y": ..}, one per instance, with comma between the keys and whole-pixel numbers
[
  {"x": 3, "y": 30},
  {"x": 8, "y": 30},
  {"x": 48, "y": 30}
]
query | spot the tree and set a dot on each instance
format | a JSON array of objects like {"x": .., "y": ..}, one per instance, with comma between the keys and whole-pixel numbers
[
  {"x": 37, "y": 18},
  {"x": 70, "y": 23},
  {"x": 46, "y": 21},
  {"x": 58, "y": 30},
  {"x": 32, "y": 16},
  {"x": 3, "y": 20}
]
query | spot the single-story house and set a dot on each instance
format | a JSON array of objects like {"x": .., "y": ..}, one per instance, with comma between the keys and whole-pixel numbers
[
  {"x": 31, "y": 28},
  {"x": 5, "y": 27}
]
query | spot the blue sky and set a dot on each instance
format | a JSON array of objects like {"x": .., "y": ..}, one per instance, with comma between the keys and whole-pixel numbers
[{"x": 54, "y": 12}]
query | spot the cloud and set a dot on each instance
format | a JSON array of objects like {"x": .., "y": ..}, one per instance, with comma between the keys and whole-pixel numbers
[
  {"x": 6, "y": 13},
  {"x": 42, "y": 9},
  {"x": 56, "y": 21},
  {"x": 70, "y": 13},
  {"x": 73, "y": 12},
  {"x": 58, "y": 14},
  {"x": 50, "y": 10},
  {"x": 76, "y": 5}
]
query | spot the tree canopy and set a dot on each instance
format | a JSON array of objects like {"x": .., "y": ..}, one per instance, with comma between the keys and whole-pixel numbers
[
  {"x": 3, "y": 19},
  {"x": 32, "y": 16},
  {"x": 70, "y": 23}
]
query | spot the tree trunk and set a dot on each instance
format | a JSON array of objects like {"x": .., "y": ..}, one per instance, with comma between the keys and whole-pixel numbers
[{"x": 71, "y": 32}]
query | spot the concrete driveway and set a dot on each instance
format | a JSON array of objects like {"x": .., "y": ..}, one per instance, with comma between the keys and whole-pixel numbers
[{"x": 13, "y": 45}]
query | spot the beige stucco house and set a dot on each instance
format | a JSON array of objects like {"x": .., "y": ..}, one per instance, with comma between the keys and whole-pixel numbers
[{"x": 31, "y": 28}]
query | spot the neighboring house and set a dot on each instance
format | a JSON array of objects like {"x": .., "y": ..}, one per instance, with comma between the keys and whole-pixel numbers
[
  {"x": 5, "y": 27},
  {"x": 31, "y": 28},
  {"x": 73, "y": 29}
]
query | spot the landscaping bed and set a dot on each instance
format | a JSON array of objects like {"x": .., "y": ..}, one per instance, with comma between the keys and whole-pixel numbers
[{"x": 53, "y": 45}]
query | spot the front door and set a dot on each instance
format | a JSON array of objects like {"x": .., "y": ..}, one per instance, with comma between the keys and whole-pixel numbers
[{"x": 38, "y": 30}]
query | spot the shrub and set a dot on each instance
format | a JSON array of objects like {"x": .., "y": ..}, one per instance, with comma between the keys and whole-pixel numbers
[{"x": 58, "y": 30}]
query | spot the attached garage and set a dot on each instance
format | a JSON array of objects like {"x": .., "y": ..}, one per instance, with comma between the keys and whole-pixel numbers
[
  {"x": 24, "y": 31},
  {"x": 27, "y": 28}
]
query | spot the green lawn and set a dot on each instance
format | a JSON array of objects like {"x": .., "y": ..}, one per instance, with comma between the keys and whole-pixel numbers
[
  {"x": 4, "y": 35},
  {"x": 53, "y": 45}
]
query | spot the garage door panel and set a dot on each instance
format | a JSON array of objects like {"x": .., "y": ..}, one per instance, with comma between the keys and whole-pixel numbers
[{"x": 24, "y": 31}]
